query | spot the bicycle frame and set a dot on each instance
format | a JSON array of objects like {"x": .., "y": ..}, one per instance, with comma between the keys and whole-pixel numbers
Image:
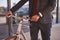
[{"x": 19, "y": 30}]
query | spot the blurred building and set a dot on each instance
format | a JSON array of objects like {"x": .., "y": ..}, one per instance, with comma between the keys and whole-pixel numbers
[{"x": 3, "y": 10}]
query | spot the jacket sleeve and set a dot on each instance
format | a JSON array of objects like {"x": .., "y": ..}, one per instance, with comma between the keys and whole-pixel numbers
[
  {"x": 18, "y": 5},
  {"x": 50, "y": 7}
]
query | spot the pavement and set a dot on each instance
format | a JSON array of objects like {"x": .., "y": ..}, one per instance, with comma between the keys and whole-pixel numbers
[{"x": 55, "y": 31}]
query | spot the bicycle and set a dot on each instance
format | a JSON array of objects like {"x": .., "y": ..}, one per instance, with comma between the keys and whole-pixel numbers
[{"x": 19, "y": 35}]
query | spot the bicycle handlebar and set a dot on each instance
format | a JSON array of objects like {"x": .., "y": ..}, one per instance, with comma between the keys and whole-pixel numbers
[{"x": 19, "y": 18}]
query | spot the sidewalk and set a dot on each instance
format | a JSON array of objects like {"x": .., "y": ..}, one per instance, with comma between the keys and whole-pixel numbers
[{"x": 55, "y": 32}]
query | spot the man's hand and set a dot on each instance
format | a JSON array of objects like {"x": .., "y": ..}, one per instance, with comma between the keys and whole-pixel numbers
[
  {"x": 8, "y": 13},
  {"x": 35, "y": 18}
]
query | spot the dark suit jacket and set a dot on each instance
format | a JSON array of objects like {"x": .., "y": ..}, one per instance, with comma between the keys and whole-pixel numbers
[{"x": 43, "y": 6}]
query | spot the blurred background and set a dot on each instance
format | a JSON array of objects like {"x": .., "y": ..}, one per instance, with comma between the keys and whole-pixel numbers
[{"x": 22, "y": 11}]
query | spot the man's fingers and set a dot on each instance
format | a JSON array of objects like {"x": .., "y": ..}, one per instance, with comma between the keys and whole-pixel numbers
[
  {"x": 35, "y": 18},
  {"x": 8, "y": 13}
]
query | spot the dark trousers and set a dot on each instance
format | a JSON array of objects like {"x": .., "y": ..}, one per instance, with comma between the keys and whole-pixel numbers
[{"x": 44, "y": 28}]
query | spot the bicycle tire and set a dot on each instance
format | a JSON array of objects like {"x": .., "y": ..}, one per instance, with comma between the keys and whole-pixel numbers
[
  {"x": 11, "y": 38},
  {"x": 22, "y": 37}
]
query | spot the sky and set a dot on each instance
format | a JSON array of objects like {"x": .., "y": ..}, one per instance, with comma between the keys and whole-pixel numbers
[{"x": 4, "y": 2}]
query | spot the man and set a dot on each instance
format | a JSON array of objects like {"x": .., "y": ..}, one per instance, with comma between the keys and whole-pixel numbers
[{"x": 40, "y": 14}]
